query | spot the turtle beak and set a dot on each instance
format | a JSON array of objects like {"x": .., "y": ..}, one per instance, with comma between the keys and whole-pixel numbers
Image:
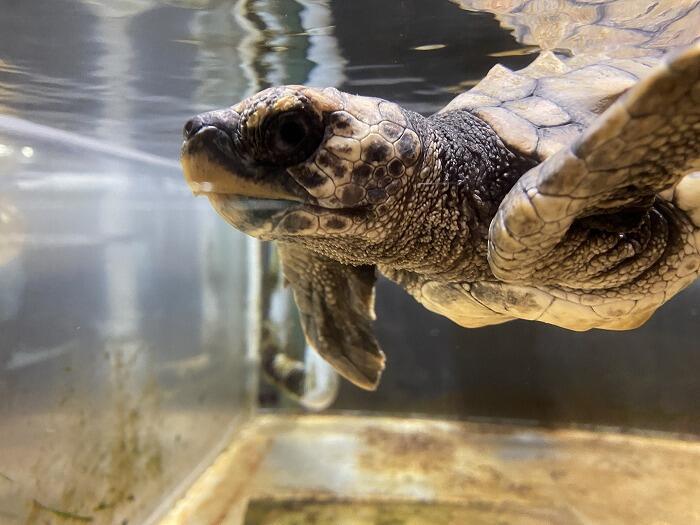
[
  {"x": 213, "y": 164},
  {"x": 207, "y": 143}
]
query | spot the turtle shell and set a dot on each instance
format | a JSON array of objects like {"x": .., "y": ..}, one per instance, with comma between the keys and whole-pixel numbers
[{"x": 592, "y": 52}]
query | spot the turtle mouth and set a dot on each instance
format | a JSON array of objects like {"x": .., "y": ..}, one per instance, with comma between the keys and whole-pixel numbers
[{"x": 212, "y": 166}]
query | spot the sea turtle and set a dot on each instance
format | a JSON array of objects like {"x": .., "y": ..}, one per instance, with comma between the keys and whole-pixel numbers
[{"x": 564, "y": 193}]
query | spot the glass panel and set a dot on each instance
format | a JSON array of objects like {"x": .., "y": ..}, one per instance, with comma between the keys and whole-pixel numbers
[{"x": 124, "y": 364}]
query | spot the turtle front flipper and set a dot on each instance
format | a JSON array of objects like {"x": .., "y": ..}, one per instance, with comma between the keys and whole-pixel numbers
[
  {"x": 336, "y": 307},
  {"x": 589, "y": 216}
]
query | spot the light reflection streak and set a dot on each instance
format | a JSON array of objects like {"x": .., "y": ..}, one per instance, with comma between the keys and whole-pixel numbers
[{"x": 18, "y": 126}]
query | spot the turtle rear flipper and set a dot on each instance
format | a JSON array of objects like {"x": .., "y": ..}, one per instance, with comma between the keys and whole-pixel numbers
[
  {"x": 308, "y": 381},
  {"x": 644, "y": 143}
]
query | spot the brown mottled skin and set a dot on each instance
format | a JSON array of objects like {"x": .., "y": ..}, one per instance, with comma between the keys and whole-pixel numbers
[{"x": 479, "y": 229}]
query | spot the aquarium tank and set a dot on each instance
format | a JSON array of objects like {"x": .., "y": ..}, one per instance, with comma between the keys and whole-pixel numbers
[{"x": 154, "y": 367}]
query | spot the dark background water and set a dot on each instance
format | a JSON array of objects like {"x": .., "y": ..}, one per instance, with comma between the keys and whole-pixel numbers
[
  {"x": 378, "y": 39},
  {"x": 129, "y": 74}
]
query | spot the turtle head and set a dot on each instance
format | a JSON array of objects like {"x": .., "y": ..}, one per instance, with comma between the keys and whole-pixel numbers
[{"x": 304, "y": 165}]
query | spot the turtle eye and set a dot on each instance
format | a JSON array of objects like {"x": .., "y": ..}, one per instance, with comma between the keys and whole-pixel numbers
[
  {"x": 289, "y": 133},
  {"x": 292, "y": 137}
]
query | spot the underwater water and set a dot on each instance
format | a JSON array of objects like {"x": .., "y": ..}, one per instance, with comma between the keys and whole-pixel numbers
[{"x": 127, "y": 353}]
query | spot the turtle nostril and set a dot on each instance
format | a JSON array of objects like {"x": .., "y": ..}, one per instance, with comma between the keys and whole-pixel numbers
[{"x": 192, "y": 127}]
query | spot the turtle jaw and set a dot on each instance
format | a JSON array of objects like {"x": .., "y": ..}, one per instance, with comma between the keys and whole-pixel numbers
[
  {"x": 211, "y": 165},
  {"x": 253, "y": 216},
  {"x": 264, "y": 202}
]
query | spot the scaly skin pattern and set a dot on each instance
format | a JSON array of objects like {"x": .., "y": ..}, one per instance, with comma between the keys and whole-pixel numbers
[
  {"x": 597, "y": 234},
  {"x": 646, "y": 142}
]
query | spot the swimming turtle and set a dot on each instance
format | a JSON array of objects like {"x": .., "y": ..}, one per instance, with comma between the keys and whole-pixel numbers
[{"x": 565, "y": 192}]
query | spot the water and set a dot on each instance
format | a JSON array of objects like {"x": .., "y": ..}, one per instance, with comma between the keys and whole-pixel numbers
[{"x": 125, "y": 303}]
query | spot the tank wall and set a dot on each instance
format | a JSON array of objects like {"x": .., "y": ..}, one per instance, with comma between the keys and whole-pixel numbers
[
  {"x": 122, "y": 340},
  {"x": 123, "y": 300}
]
